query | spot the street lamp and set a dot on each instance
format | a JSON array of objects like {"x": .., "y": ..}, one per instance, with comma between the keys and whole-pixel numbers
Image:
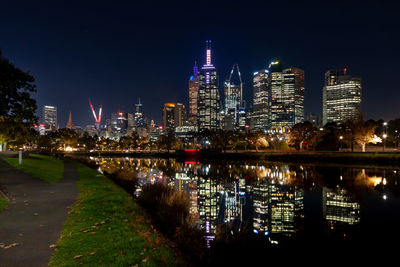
[
  {"x": 384, "y": 141},
  {"x": 341, "y": 138},
  {"x": 384, "y": 134}
]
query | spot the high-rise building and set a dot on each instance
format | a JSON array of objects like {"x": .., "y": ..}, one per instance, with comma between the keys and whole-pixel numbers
[
  {"x": 193, "y": 94},
  {"x": 261, "y": 94},
  {"x": 341, "y": 97},
  {"x": 119, "y": 122},
  {"x": 208, "y": 99},
  {"x": 234, "y": 103},
  {"x": 138, "y": 118},
  {"x": 174, "y": 115},
  {"x": 287, "y": 97},
  {"x": 294, "y": 82},
  {"x": 50, "y": 116}
]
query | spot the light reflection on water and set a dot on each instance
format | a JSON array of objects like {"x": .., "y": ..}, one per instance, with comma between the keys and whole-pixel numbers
[{"x": 281, "y": 202}]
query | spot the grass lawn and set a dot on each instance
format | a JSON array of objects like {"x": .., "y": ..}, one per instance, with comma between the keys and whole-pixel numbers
[
  {"x": 106, "y": 227},
  {"x": 42, "y": 167},
  {"x": 3, "y": 203}
]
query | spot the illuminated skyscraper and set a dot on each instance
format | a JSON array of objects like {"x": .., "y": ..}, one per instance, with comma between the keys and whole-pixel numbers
[
  {"x": 174, "y": 115},
  {"x": 287, "y": 97},
  {"x": 208, "y": 99},
  {"x": 234, "y": 103},
  {"x": 119, "y": 122},
  {"x": 50, "y": 116},
  {"x": 138, "y": 118},
  {"x": 261, "y": 109},
  {"x": 341, "y": 97},
  {"x": 193, "y": 94}
]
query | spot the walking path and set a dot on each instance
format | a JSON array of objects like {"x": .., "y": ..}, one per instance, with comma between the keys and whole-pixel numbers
[{"x": 33, "y": 220}]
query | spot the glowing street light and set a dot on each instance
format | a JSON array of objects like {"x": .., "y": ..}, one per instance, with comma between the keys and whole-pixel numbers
[{"x": 341, "y": 138}]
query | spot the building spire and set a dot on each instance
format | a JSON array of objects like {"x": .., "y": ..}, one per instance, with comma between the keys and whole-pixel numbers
[
  {"x": 208, "y": 52},
  {"x": 70, "y": 125},
  {"x": 195, "y": 69}
]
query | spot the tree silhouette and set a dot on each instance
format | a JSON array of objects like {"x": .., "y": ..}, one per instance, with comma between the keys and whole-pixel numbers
[{"x": 17, "y": 108}]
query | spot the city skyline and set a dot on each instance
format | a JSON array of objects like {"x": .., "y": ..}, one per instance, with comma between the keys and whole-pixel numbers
[{"x": 115, "y": 63}]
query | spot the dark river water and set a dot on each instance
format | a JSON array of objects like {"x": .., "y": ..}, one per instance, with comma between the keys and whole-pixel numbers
[{"x": 284, "y": 203}]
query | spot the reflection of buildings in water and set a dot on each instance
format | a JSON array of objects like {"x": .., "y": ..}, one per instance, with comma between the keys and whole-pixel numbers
[
  {"x": 286, "y": 207},
  {"x": 339, "y": 206},
  {"x": 208, "y": 199},
  {"x": 278, "y": 206},
  {"x": 233, "y": 200},
  {"x": 260, "y": 205},
  {"x": 183, "y": 183}
]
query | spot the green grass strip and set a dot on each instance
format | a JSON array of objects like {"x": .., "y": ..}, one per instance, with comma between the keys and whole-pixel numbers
[
  {"x": 42, "y": 167},
  {"x": 105, "y": 227},
  {"x": 3, "y": 203}
]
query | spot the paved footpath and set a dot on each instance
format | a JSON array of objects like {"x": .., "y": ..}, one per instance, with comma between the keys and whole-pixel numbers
[{"x": 34, "y": 218}]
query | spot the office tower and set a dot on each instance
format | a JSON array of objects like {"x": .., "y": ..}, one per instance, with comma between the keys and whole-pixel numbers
[
  {"x": 294, "y": 83},
  {"x": 287, "y": 97},
  {"x": 341, "y": 97},
  {"x": 119, "y": 122},
  {"x": 131, "y": 123},
  {"x": 261, "y": 109},
  {"x": 234, "y": 110},
  {"x": 70, "y": 124},
  {"x": 209, "y": 99},
  {"x": 50, "y": 116},
  {"x": 174, "y": 115},
  {"x": 193, "y": 95},
  {"x": 138, "y": 116}
]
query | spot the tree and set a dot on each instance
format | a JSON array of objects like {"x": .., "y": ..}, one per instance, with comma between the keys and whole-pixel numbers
[
  {"x": 257, "y": 139},
  {"x": 66, "y": 138},
  {"x": 88, "y": 141},
  {"x": 221, "y": 139},
  {"x": 46, "y": 142},
  {"x": 300, "y": 133},
  {"x": 129, "y": 141},
  {"x": 357, "y": 131},
  {"x": 17, "y": 108},
  {"x": 166, "y": 141},
  {"x": 364, "y": 135}
]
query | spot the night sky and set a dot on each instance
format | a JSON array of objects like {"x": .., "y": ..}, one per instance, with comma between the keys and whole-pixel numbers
[{"x": 116, "y": 52}]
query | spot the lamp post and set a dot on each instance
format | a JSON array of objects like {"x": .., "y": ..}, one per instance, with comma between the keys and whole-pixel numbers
[
  {"x": 384, "y": 135},
  {"x": 341, "y": 138},
  {"x": 384, "y": 141}
]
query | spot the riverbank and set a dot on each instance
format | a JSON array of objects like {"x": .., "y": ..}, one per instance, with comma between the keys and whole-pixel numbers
[
  {"x": 376, "y": 159},
  {"x": 106, "y": 227},
  {"x": 103, "y": 225}
]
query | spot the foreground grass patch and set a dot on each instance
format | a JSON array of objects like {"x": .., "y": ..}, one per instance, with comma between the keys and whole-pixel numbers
[
  {"x": 42, "y": 167},
  {"x": 107, "y": 228},
  {"x": 3, "y": 203}
]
